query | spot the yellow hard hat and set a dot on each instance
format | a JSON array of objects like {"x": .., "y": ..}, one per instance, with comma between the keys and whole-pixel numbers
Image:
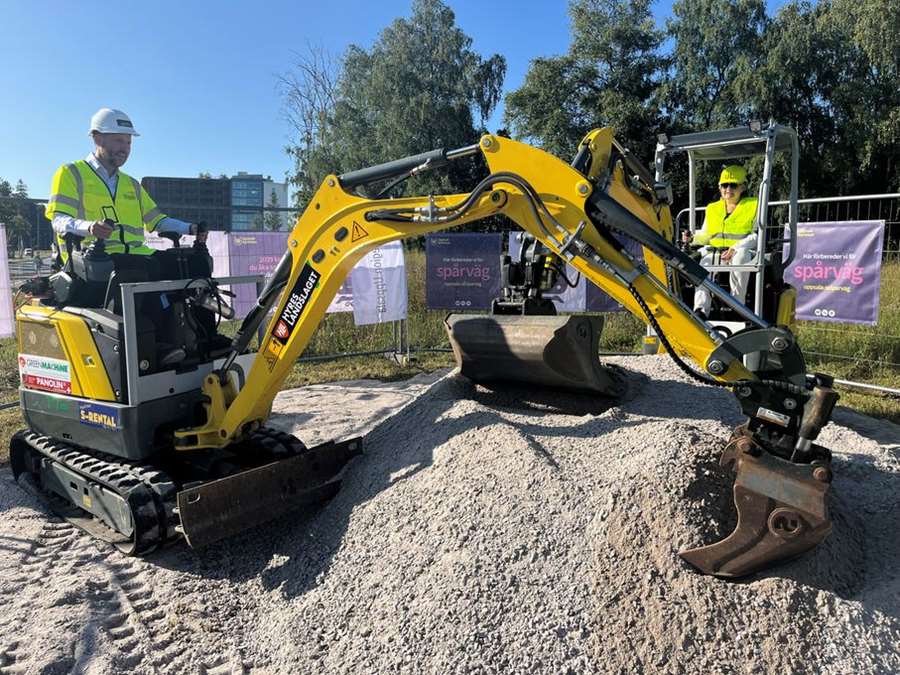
[{"x": 733, "y": 173}]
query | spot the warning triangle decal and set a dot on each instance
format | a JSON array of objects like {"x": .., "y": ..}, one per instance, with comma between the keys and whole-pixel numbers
[{"x": 358, "y": 232}]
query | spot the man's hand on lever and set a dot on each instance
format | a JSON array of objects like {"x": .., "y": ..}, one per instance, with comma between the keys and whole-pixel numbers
[{"x": 100, "y": 229}]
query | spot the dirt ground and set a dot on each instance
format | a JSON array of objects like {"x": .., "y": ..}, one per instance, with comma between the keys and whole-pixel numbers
[{"x": 483, "y": 531}]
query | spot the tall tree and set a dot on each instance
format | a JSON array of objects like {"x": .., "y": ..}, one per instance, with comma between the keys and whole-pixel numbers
[
  {"x": 7, "y": 204},
  {"x": 21, "y": 191},
  {"x": 421, "y": 86},
  {"x": 866, "y": 100},
  {"x": 18, "y": 232},
  {"x": 830, "y": 74},
  {"x": 25, "y": 222},
  {"x": 717, "y": 47},
  {"x": 272, "y": 219},
  {"x": 609, "y": 77},
  {"x": 309, "y": 92}
]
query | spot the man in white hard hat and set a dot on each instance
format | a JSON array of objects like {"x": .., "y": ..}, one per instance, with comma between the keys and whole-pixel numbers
[{"x": 89, "y": 194}]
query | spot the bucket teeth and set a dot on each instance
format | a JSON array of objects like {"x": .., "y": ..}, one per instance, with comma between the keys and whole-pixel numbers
[{"x": 782, "y": 512}]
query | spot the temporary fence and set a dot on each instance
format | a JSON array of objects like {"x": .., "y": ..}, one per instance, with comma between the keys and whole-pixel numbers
[
  {"x": 884, "y": 207},
  {"x": 396, "y": 340}
]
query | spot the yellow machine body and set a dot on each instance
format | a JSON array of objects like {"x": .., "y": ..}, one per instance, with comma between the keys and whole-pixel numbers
[{"x": 57, "y": 354}]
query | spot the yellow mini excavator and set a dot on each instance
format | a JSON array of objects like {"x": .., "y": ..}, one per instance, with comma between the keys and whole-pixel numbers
[{"x": 146, "y": 426}]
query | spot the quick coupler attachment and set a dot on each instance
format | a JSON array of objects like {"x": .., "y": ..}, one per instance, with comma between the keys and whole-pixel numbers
[{"x": 781, "y": 506}]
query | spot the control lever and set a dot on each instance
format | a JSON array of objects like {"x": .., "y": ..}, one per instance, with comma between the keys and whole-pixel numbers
[
  {"x": 97, "y": 247},
  {"x": 174, "y": 237},
  {"x": 200, "y": 245}
]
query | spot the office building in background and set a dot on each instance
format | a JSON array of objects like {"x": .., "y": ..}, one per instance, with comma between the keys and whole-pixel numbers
[{"x": 235, "y": 204}]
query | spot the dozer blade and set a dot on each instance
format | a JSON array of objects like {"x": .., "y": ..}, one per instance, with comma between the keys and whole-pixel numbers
[
  {"x": 782, "y": 512},
  {"x": 552, "y": 351},
  {"x": 224, "y": 507}
]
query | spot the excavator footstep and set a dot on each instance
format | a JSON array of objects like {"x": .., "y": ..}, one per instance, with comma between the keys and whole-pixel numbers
[
  {"x": 224, "y": 507},
  {"x": 782, "y": 512},
  {"x": 551, "y": 351}
]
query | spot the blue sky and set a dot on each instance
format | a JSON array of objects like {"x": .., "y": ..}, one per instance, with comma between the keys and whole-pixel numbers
[{"x": 198, "y": 78}]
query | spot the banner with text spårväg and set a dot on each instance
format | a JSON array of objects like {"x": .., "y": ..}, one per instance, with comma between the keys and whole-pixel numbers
[
  {"x": 462, "y": 270},
  {"x": 837, "y": 271}
]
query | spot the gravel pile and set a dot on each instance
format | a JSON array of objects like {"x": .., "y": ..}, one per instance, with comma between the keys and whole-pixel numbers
[{"x": 482, "y": 531}]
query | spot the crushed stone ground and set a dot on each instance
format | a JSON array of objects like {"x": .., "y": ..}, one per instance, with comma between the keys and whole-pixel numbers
[{"x": 484, "y": 531}]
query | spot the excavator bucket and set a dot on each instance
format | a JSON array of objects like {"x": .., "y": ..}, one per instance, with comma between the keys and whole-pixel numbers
[
  {"x": 782, "y": 511},
  {"x": 551, "y": 351},
  {"x": 224, "y": 507}
]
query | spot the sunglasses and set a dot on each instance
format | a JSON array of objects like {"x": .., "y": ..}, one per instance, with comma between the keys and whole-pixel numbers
[{"x": 733, "y": 186}]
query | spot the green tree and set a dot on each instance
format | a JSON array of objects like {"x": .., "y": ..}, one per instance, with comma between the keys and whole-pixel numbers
[
  {"x": 14, "y": 206},
  {"x": 25, "y": 213},
  {"x": 420, "y": 87},
  {"x": 866, "y": 99},
  {"x": 272, "y": 219},
  {"x": 832, "y": 74},
  {"x": 18, "y": 232},
  {"x": 21, "y": 191},
  {"x": 609, "y": 77},
  {"x": 7, "y": 204},
  {"x": 717, "y": 49}
]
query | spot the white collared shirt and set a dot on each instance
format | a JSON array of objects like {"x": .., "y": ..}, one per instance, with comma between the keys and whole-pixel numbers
[{"x": 112, "y": 181}]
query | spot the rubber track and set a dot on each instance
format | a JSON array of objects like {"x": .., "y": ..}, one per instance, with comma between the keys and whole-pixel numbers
[
  {"x": 145, "y": 499},
  {"x": 150, "y": 492}
]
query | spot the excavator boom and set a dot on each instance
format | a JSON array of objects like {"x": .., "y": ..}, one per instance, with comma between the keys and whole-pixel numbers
[{"x": 582, "y": 213}]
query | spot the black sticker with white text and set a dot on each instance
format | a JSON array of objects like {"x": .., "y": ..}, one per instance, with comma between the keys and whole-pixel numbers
[{"x": 297, "y": 301}]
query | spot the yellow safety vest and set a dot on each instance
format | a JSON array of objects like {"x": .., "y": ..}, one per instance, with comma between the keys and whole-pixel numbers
[
  {"x": 78, "y": 191},
  {"x": 721, "y": 231}
]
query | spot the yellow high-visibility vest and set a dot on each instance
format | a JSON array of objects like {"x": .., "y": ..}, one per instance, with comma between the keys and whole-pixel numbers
[
  {"x": 78, "y": 191},
  {"x": 720, "y": 231}
]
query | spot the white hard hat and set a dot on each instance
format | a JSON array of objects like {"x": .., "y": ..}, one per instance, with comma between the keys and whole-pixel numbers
[{"x": 109, "y": 121}]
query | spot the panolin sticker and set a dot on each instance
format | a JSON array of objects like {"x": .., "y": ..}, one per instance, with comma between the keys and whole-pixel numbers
[
  {"x": 100, "y": 416},
  {"x": 45, "y": 373},
  {"x": 297, "y": 302}
]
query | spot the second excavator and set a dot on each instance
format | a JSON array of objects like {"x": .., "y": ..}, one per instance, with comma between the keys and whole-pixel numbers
[
  {"x": 524, "y": 339},
  {"x": 152, "y": 449}
]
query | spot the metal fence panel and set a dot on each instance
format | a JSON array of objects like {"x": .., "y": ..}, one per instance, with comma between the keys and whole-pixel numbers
[{"x": 878, "y": 345}]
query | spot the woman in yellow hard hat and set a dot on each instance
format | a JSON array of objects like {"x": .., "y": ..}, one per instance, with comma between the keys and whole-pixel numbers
[{"x": 728, "y": 234}]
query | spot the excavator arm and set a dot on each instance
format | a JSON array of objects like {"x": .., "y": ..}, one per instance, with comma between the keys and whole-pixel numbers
[{"x": 582, "y": 212}]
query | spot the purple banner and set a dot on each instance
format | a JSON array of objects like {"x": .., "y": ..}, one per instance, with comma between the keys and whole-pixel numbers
[
  {"x": 462, "y": 271},
  {"x": 252, "y": 253},
  {"x": 837, "y": 271}
]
